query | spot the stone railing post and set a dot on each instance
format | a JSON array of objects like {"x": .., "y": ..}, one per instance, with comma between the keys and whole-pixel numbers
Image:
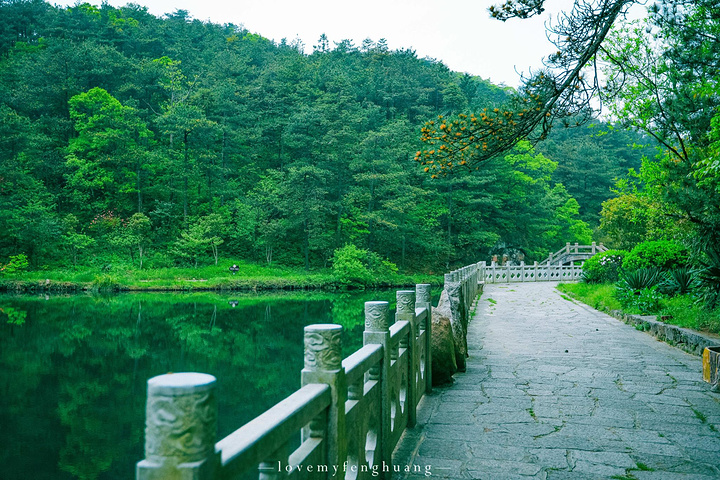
[
  {"x": 594, "y": 248},
  {"x": 466, "y": 283},
  {"x": 522, "y": 271},
  {"x": 180, "y": 428},
  {"x": 377, "y": 331},
  {"x": 473, "y": 280},
  {"x": 577, "y": 247},
  {"x": 422, "y": 300},
  {"x": 323, "y": 364},
  {"x": 567, "y": 247},
  {"x": 406, "y": 312},
  {"x": 535, "y": 266},
  {"x": 476, "y": 279}
]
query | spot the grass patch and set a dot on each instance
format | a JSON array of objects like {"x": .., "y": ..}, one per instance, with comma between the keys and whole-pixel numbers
[
  {"x": 599, "y": 296},
  {"x": 492, "y": 301},
  {"x": 681, "y": 310},
  {"x": 474, "y": 306},
  {"x": 250, "y": 276},
  {"x": 700, "y": 416}
]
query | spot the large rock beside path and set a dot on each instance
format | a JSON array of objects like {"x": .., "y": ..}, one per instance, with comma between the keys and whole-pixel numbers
[
  {"x": 444, "y": 352},
  {"x": 453, "y": 296}
]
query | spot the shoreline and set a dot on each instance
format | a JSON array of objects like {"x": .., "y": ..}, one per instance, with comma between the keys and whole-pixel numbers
[{"x": 248, "y": 284}]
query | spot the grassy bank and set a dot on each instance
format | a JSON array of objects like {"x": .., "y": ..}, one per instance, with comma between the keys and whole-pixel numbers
[
  {"x": 681, "y": 310},
  {"x": 215, "y": 277}
]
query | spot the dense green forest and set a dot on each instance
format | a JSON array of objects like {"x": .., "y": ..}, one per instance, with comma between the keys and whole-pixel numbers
[{"x": 154, "y": 142}]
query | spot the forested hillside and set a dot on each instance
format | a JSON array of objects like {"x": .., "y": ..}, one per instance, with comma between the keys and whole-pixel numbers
[{"x": 125, "y": 137}]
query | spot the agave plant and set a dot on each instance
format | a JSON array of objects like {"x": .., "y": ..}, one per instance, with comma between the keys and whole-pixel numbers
[
  {"x": 681, "y": 280},
  {"x": 640, "y": 279},
  {"x": 709, "y": 279}
]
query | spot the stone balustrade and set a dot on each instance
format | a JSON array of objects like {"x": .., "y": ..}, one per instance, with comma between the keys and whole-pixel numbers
[
  {"x": 450, "y": 321},
  {"x": 467, "y": 279},
  {"x": 349, "y": 413},
  {"x": 494, "y": 273}
]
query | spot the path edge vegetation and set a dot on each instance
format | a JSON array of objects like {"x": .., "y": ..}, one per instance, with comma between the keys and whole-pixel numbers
[{"x": 601, "y": 297}]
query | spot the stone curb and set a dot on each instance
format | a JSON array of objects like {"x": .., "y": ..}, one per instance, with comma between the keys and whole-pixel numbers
[{"x": 684, "y": 338}]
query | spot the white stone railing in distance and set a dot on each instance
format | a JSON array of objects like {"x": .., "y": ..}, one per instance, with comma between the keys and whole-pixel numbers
[
  {"x": 494, "y": 273},
  {"x": 349, "y": 414}
]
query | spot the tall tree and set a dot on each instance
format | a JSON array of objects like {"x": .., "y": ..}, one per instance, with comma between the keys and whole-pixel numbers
[
  {"x": 106, "y": 159},
  {"x": 664, "y": 80}
]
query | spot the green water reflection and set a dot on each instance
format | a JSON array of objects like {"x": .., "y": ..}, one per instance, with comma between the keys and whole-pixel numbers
[{"x": 73, "y": 369}]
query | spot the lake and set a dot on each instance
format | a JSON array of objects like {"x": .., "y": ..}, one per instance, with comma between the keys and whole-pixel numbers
[{"x": 73, "y": 369}]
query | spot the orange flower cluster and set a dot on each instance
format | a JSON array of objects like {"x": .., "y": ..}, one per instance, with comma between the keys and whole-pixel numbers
[{"x": 466, "y": 140}]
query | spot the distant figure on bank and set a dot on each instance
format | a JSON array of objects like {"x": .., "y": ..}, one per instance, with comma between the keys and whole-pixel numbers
[{"x": 234, "y": 269}]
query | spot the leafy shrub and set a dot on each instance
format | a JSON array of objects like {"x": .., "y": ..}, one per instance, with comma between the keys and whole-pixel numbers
[
  {"x": 591, "y": 276},
  {"x": 662, "y": 254},
  {"x": 349, "y": 265},
  {"x": 355, "y": 266},
  {"x": 160, "y": 260},
  {"x": 379, "y": 266},
  {"x": 648, "y": 301},
  {"x": 644, "y": 301},
  {"x": 18, "y": 263},
  {"x": 639, "y": 279},
  {"x": 603, "y": 267}
]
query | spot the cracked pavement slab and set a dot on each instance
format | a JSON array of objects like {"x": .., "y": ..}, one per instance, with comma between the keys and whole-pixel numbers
[{"x": 556, "y": 390}]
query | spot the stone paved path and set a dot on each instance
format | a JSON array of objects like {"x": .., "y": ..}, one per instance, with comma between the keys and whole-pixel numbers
[{"x": 556, "y": 390}]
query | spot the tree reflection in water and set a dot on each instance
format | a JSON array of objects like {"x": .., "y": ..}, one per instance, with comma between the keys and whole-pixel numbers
[{"x": 74, "y": 370}]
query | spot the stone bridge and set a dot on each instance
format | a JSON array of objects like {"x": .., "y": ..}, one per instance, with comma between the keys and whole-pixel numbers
[
  {"x": 573, "y": 253},
  {"x": 551, "y": 389}
]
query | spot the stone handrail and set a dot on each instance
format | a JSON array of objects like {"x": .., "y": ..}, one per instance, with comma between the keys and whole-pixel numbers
[
  {"x": 349, "y": 414},
  {"x": 529, "y": 273},
  {"x": 466, "y": 279}
]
